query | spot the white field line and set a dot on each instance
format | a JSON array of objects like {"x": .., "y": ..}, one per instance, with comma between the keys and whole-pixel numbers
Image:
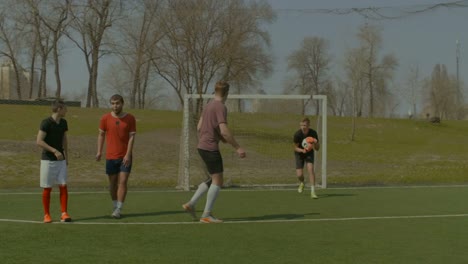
[
  {"x": 253, "y": 221},
  {"x": 254, "y": 189}
]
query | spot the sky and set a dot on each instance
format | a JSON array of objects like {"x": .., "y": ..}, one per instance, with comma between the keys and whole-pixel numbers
[{"x": 424, "y": 40}]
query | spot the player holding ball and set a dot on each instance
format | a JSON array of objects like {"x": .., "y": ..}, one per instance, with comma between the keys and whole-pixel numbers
[{"x": 305, "y": 142}]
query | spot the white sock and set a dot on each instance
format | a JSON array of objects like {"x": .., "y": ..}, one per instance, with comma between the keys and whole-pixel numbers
[
  {"x": 210, "y": 199},
  {"x": 202, "y": 188},
  {"x": 119, "y": 205},
  {"x": 114, "y": 202},
  {"x": 312, "y": 188}
]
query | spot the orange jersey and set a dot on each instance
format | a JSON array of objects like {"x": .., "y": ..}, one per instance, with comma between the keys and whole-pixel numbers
[{"x": 118, "y": 132}]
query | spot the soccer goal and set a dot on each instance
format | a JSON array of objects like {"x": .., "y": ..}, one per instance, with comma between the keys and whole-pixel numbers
[{"x": 264, "y": 126}]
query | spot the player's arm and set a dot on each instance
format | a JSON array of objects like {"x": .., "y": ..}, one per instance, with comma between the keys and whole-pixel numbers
[
  {"x": 222, "y": 139},
  {"x": 100, "y": 143},
  {"x": 317, "y": 145},
  {"x": 229, "y": 138},
  {"x": 65, "y": 146},
  {"x": 41, "y": 143},
  {"x": 199, "y": 123},
  {"x": 297, "y": 148},
  {"x": 127, "y": 160}
]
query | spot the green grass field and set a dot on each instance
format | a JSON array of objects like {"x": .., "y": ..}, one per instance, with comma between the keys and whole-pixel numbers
[
  {"x": 385, "y": 151},
  {"x": 374, "y": 225},
  {"x": 401, "y": 224}
]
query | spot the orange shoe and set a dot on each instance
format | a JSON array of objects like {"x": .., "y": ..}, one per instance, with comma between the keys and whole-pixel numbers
[
  {"x": 190, "y": 210},
  {"x": 47, "y": 219},
  {"x": 65, "y": 217},
  {"x": 210, "y": 220}
]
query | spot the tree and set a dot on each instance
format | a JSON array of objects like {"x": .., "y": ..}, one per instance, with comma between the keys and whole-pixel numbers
[
  {"x": 207, "y": 40},
  {"x": 376, "y": 73},
  {"x": 311, "y": 64},
  {"x": 138, "y": 36},
  {"x": 47, "y": 21},
  {"x": 25, "y": 17},
  {"x": 52, "y": 18},
  {"x": 354, "y": 66},
  {"x": 442, "y": 94},
  {"x": 343, "y": 106},
  {"x": 90, "y": 22},
  {"x": 413, "y": 88},
  {"x": 11, "y": 43}
]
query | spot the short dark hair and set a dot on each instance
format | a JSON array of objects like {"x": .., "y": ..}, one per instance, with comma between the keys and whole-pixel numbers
[
  {"x": 222, "y": 88},
  {"x": 306, "y": 120},
  {"x": 117, "y": 97},
  {"x": 57, "y": 104}
]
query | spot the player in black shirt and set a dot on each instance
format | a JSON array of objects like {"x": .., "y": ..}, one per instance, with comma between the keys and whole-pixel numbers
[
  {"x": 52, "y": 138},
  {"x": 304, "y": 156}
]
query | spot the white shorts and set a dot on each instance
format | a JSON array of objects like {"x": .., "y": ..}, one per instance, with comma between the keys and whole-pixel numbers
[{"x": 53, "y": 172}]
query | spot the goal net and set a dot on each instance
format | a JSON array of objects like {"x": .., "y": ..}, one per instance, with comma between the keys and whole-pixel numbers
[{"x": 264, "y": 126}]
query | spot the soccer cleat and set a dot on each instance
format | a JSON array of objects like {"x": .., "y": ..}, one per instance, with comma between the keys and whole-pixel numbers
[
  {"x": 190, "y": 210},
  {"x": 301, "y": 187},
  {"x": 313, "y": 195},
  {"x": 65, "y": 217},
  {"x": 116, "y": 213},
  {"x": 210, "y": 220},
  {"x": 47, "y": 219}
]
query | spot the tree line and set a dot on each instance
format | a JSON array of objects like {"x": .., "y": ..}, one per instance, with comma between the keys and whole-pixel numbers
[
  {"x": 367, "y": 89},
  {"x": 186, "y": 45}
]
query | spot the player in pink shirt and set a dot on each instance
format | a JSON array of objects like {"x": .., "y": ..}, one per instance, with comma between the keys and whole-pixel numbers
[{"x": 212, "y": 128}]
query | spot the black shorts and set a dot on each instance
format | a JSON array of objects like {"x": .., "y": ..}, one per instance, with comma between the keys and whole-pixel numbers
[
  {"x": 302, "y": 158},
  {"x": 213, "y": 161},
  {"x": 115, "y": 166}
]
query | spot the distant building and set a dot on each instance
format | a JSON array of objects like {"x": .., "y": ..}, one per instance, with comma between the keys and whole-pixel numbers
[{"x": 8, "y": 83}]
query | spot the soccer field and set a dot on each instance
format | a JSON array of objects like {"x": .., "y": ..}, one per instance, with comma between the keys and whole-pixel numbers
[{"x": 362, "y": 225}]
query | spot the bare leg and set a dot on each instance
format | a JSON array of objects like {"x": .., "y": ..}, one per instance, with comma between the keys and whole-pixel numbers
[
  {"x": 310, "y": 169},
  {"x": 122, "y": 186},
  {"x": 113, "y": 180}
]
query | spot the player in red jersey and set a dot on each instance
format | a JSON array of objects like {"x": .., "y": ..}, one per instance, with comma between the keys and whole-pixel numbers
[{"x": 118, "y": 129}]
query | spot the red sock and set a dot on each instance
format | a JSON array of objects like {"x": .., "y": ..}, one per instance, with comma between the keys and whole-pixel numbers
[
  {"x": 63, "y": 197},
  {"x": 46, "y": 200}
]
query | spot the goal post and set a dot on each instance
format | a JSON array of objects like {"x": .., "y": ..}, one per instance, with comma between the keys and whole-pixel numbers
[{"x": 263, "y": 125}]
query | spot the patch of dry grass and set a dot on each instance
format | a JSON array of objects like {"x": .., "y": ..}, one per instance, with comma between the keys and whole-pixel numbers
[{"x": 384, "y": 152}]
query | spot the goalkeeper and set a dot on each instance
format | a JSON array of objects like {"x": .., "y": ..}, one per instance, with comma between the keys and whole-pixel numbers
[{"x": 304, "y": 157}]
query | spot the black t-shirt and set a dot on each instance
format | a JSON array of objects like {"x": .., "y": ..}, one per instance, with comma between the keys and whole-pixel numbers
[
  {"x": 54, "y": 136},
  {"x": 299, "y": 137}
]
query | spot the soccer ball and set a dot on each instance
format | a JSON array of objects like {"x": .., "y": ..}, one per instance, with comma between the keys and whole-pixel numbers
[{"x": 308, "y": 143}]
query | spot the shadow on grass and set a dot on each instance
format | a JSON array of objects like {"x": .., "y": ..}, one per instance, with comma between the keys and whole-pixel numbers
[
  {"x": 130, "y": 215},
  {"x": 331, "y": 195},
  {"x": 270, "y": 217}
]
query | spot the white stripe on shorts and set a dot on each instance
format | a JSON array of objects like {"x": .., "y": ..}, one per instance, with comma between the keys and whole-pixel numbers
[{"x": 53, "y": 172}]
